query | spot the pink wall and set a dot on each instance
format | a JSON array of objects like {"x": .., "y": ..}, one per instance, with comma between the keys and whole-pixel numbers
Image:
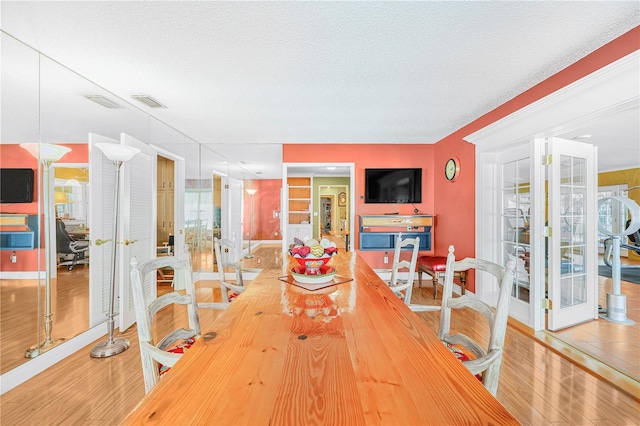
[
  {"x": 265, "y": 202},
  {"x": 453, "y": 203},
  {"x": 14, "y": 156},
  {"x": 371, "y": 156},
  {"x": 456, "y": 208}
]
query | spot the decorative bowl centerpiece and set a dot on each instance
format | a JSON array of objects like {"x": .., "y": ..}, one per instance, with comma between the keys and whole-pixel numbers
[{"x": 313, "y": 255}]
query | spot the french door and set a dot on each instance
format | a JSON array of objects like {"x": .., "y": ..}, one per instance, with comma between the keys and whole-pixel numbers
[
  {"x": 546, "y": 219},
  {"x": 518, "y": 231},
  {"x": 572, "y": 212}
]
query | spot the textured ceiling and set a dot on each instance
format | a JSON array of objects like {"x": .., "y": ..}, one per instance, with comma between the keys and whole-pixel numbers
[{"x": 247, "y": 77}]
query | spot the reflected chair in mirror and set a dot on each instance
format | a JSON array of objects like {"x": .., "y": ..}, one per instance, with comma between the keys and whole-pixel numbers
[
  {"x": 229, "y": 257},
  {"x": 484, "y": 363},
  {"x": 228, "y": 290},
  {"x": 69, "y": 251},
  {"x": 402, "y": 287},
  {"x": 158, "y": 356}
]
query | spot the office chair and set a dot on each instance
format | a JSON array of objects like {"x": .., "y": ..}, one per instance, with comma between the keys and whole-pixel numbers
[{"x": 69, "y": 251}]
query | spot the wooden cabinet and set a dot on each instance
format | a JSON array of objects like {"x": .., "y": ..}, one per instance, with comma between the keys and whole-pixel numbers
[
  {"x": 299, "y": 192},
  {"x": 381, "y": 232},
  {"x": 165, "y": 200},
  {"x": 165, "y": 174}
]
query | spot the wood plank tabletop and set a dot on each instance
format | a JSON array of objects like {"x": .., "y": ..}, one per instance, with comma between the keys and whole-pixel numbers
[{"x": 348, "y": 354}]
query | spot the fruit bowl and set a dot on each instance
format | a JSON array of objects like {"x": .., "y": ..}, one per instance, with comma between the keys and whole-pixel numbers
[{"x": 312, "y": 253}]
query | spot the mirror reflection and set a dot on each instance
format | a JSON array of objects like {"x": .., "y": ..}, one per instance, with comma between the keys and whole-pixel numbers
[{"x": 52, "y": 268}]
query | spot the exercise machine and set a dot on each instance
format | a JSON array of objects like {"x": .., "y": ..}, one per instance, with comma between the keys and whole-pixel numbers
[{"x": 617, "y": 217}]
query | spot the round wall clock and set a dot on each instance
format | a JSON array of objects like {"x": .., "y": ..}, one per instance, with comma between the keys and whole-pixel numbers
[{"x": 452, "y": 169}]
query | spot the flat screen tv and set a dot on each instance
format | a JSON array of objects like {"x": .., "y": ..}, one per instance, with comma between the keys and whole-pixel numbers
[
  {"x": 400, "y": 186},
  {"x": 16, "y": 185}
]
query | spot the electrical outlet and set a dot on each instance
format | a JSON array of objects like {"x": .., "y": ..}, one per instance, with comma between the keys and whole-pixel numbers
[
  {"x": 14, "y": 257},
  {"x": 386, "y": 257}
]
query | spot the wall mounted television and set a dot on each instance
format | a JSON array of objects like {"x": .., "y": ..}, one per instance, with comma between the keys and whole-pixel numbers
[
  {"x": 400, "y": 186},
  {"x": 16, "y": 185}
]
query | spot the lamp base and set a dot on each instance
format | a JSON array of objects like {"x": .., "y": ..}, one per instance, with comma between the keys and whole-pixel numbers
[
  {"x": 110, "y": 348},
  {"x": 617, "y": 309},
  {"x": 36, "y": 350}
]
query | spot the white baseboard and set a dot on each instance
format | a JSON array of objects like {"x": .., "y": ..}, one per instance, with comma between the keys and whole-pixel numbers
[
  {"x": 22, "y": 275},
  {"x": 213, "y": 276},
  {"x": 37, "y": 365}
]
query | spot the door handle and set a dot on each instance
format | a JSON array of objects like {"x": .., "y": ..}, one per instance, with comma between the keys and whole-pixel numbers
[
  {"x": 127, "y": 242},
  {"x": 100, "y": 242}
]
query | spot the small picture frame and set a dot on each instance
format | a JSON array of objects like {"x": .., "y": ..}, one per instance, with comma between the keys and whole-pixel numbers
[{"x": 342, "y": 199}]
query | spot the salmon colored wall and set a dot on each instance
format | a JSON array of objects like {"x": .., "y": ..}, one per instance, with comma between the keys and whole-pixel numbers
[
  {"x": 265, "y": 202},
  {"x": 13, "y": 156},
  {"x": 456, "y": 209},
  {"x": 454, "y": 203},
  {"x": 371, "y": 156}
]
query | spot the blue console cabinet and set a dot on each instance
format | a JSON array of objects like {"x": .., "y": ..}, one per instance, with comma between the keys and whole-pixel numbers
[
  {"x": 380, "y": 232},
  {"x": 19, "y": 239}
]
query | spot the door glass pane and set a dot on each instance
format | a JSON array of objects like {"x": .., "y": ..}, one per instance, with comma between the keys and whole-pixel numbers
[
  {"x": 572, "y": 233},
  {"x": 573, "y": 290},
  {"x": 515, "y": 222}
]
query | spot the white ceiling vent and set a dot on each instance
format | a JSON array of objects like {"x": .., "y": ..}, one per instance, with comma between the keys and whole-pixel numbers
[
  {"x": 148, "y": 101},
  {"x": 105, "y": 102}
]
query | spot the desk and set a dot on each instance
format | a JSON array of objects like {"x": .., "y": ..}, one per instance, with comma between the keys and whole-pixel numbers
[
  {"x": 366, "y": 359},
  {"x": 79, "y": 235}
]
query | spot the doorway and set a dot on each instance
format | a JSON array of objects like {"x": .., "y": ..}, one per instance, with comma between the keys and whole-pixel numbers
[
  {"x": 341, "y": 177},
  {"x": 165, "y": 199}
]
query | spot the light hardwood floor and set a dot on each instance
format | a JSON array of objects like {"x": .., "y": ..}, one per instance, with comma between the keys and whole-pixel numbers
[{"x": 537, "y": 385}]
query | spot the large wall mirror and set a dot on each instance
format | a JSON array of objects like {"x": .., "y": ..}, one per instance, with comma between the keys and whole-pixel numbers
[{"x": 45, "y": 285}]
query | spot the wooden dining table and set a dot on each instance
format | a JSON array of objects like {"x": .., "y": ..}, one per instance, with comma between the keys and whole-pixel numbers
[{"x": 348, "y": 354}]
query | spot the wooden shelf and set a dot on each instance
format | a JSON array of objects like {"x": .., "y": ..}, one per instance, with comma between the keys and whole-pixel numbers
[{"x": 299, "y": 195}]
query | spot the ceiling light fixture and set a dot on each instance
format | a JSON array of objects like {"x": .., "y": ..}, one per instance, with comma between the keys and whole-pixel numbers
[
  {"x": 148, "y": 101},
  {"x": 105, "y": 102}
]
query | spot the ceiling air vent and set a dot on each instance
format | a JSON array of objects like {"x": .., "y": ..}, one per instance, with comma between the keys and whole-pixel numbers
[
  {"x": 148, "y": 101},
  {"x": 105, "y": 102}
]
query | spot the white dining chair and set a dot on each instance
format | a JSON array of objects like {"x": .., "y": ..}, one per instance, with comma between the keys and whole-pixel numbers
[
  {"x": 158, "y": 356},
  {"x": 403, "y": 286},
  {"x": 483, "y": 362},
  {"x": 228, "y": 290}
]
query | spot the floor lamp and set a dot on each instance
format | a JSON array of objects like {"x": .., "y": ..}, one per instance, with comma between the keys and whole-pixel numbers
[
  {"x": 46, "y": 154},
  {"x": 251, "y": 192},
  {"x": 118, "y": 154}
]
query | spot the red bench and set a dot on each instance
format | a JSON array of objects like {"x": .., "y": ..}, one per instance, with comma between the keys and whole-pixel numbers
[{"x": 434, "y": 265}]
